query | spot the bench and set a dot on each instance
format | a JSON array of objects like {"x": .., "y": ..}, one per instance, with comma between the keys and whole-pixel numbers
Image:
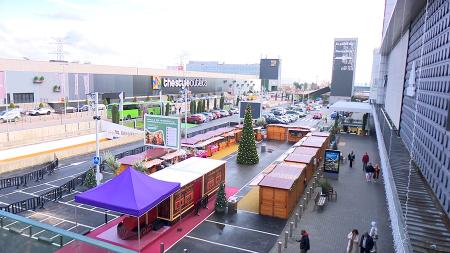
[
  {"x": 319, "y": 201},
  {"x": 332, "y": 194}
]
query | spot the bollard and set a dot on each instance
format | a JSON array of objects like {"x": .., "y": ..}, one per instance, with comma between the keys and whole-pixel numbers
[
  {"x": 185, "y": 251},
  {"x": 311, "y": 191},
  {"x": 161, "y": 247},
  {"x": 286, "y": 235},
  {"x": 296, "y": 219},
  {"x": 307, "y": 196},
  {"x": 291, "y": 229},
  {"x": 305, "y": 201},
  {"x": 279, "y": 247}
]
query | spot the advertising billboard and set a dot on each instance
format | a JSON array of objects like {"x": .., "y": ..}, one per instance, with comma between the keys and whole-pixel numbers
[
  {"x": 344, "y": 61},
  {"x": 255, "y": 106},
  {"x": 331, "y": 161},
  {"x": 269, "y": 69},
  {"x": 156, "y": 82},
  {"x": 162, "y": 131}
]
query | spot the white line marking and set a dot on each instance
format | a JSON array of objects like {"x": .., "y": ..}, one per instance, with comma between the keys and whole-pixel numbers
[
  {"x": 191, "y": 229},
  {"x": 249, "y": 229},
  {"x": 246, "y": 211},
  {"x": 221, "y": 244}
]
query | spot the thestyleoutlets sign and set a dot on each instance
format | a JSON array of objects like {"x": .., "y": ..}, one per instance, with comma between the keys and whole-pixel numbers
[{"x": 183, "y": 83}]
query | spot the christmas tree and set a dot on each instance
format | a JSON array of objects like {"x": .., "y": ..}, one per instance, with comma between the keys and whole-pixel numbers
[
  {"x": 89, "y": 179},
  {"x": 247, "y": 153},
  {"x": 221, "y": 200}
]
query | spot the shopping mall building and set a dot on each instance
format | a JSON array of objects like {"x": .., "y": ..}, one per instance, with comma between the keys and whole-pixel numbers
[
  {"x": 411, "y": 91},
  {"x": 23, "y": 81}
]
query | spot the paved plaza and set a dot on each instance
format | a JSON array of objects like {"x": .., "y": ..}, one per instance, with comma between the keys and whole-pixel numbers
[{"x": 358, "y": 203}]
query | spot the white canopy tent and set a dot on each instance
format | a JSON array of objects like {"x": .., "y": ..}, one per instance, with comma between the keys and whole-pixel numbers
[{"x": 344, "y": 106}]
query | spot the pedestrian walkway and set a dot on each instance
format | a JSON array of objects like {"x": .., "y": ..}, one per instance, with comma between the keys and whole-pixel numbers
[
  {"x": 224, "y": 152},
  {"x": 358, "y": 203}
]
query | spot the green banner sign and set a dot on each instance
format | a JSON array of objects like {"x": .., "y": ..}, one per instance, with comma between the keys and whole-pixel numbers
[{"x": 162, "y": 131}]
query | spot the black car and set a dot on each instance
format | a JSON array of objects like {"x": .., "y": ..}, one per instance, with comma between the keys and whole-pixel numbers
[{"x": 274, "y": 120}]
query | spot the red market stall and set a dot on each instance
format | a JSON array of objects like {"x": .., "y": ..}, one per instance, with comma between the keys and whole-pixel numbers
[
  {"x": 147, "y": 155},
  {"x": 199, "y": 178}
]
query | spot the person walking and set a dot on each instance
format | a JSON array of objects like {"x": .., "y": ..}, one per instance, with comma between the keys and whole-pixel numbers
[
  {"x": 353, "y": 241},
  {"x": 376, "y": 173},
  {"x": 369, "y": 172},
  {"x": 365, "y": 160},
  {"x": 373, "y": 232},
  {"x": 304, "y": 241},
  {"x": 366, "y": 243},
  {"x": 351, "y": 158}
]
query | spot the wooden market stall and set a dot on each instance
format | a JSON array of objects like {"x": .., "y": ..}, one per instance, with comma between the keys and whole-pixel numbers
[
  {"x": 199, "y": 178},
  {"x": 317, "y": 142},
  {"x": 276, "y": 132},
  {"x": 280, "y": 190},
  {"x": 327, "y": 135},
  {"x": 145, "y": 156},
  {"x": 296, "y": 133},
  {"x": 174, "y": 157},
  {"x": 305, "y": 161}
]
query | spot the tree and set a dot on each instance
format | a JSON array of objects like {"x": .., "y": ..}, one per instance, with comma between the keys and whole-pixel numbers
[
  {"x": 41, "y": 105},
  {"x": 221, "y": 200},
  {"x": 89, "y": 179},
  {"x": 167, "y": 110},
  {"x": 111, "y": 162},
  {"x": 192, "y": 107},
  {"x": 222, "y": 101},
  {"x": 135, "y": 99},
  {"x": 247, "y": 153},
  {"x": 200, "y": 106},
  {"x": 147, "y": 98},
  {"x": 364, "y": 121},
  {"x": 215, "y": 103},
  {"x": 237, "y": 101},
  {"x": 139, "y": 166},
  {"x": 297, "y": 85},
  {"x": 115, "y": 114},
  {"x": 11, "y": 106},
  {"x": 207, "y": 104},
  {"x": 105, "y": 101}
]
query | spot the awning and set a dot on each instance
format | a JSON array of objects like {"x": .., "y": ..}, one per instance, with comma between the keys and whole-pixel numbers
[
  {"x": 173, "y": 155},
  {"x": 344, "y": 106},
  {"x": 207, "y": 142},
  {"x": 151, "y": 163},
  {"x": 131, "y": 192},
  {"x": 148, "y": 154}
]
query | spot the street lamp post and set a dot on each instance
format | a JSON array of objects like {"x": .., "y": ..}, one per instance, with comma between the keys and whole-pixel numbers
[{"x": 98, "y": 175}]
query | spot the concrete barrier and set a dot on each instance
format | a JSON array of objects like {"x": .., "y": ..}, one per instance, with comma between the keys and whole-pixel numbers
[{"x": 65, "y": 153}]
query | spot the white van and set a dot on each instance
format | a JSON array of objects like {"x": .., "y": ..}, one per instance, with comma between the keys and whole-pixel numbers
[{"x": 13, "y": 115}]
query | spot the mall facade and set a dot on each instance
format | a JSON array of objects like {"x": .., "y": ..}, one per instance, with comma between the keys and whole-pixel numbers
[
  {"x": 411, "y": 89},
  {"x": 24, "y": 81}
]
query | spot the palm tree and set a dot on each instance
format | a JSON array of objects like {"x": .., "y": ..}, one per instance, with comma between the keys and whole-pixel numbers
[
  {"x": 111, "y": 161},
  {"x": 139, "y": 166}
]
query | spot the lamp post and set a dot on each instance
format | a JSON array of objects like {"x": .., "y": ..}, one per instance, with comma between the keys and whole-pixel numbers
[{"x": 98, "y": 175}]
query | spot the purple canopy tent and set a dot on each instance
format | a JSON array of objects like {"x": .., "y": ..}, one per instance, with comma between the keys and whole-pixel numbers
[{"x": 131, "y": 192}]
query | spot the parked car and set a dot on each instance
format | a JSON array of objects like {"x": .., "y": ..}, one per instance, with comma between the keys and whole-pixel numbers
[
  {"x": 82, "y": 108},
  {"x": 68, "y": 109},
  {"x": 209, "y": 116},
  {"x": 267, "y": 115},
  {"x": 275, "y": 120},
  {"x": 40, "y": 111},
  {"x": 217, "y": 113},
  {"x": 301, "y": 114},
  {"x": 196, "y": 119},
  {"x": 224, "y": 113},
  {"x": 317, "y": 115},
  {"x": 292, "y": 112},
  {"x": 13, "y": 115},
  {"x": 333, "y": 115},
  {"x": 234, "y": 110},
  {"x": 282, "y": 119}
]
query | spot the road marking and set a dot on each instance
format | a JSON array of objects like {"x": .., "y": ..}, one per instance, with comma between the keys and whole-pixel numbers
[
  {"x": 249, "y": 229},
  {"x": 245, "y": 211},
  {"x": 221, "y": 244},
  {"x": 43, "y": 230},
  {"x": 191, "y": 230}
]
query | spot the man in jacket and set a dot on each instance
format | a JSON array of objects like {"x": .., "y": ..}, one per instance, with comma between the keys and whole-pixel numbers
[
  {"x": 351, "y": 158},
  {"x": 365, "y": 160},
  {"x": 304, "y": 241},
  {"x": 366, "y": 243}
]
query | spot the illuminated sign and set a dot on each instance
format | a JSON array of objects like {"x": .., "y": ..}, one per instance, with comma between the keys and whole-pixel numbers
[{"x": 183, "y": 83}]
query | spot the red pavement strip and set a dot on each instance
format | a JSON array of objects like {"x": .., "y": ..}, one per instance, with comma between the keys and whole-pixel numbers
[{"x": 152, "y": 240}]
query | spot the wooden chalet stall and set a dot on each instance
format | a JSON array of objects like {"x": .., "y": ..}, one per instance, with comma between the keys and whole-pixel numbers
[
  {"x": 198, "y": 177},
  {"x": 325, "y": 135},
  {"x": 277, "y": 132},
  {"x": 296, "y": 133},
  {"x": 145, "y": 157},
  {"x": 205, "y": 145},
  {"x": 317, "y": 142},
  {"x": 280, "y": 189},
  {"x": 233, "y": 136},
  {"x": 174, "y": 157},
  {"x": 304, "y": 161}
]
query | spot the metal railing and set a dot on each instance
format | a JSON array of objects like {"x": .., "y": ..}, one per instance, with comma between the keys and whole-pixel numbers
[
  {"x": 31, "y": 229},
  {"x": 22, "y": 180}
]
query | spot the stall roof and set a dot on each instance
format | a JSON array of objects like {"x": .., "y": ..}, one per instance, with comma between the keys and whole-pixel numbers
[
  {"x": 277, "y": 182},
  {"x": 134, "y": 193},
  {"x": 306, "y": 150},
  {"x": 202, "y": 137},
  {"x": 173, "y": 155},
  {"x": 284, "y": 169},
  {"x": 321, "y": 134},
  {"x": 170, "y": 175},
  {"x": 299, "y": 158},
  {"x": 344, "y": 106},
  {"x": 197, "y": 165},
  {"x": 209, "y": 141},
  {"x": 153, "y": 162},
  {"x": 314, "y": 141},
  {"x": 148, "y": 154}
]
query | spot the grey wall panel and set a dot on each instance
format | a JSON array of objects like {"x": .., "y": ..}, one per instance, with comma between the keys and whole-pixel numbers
[
  {"x": 142, "y": 85},
  {"x": 22, "y": 82},
  {"x": 344, "y": 61},
  {"x": 113, "y": 83}
]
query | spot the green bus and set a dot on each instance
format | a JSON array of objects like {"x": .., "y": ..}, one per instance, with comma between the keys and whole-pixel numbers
[{"x": 132, "y": 110}]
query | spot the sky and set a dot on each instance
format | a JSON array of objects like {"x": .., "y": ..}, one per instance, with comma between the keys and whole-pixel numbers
[{"x": 157, "y": 33}]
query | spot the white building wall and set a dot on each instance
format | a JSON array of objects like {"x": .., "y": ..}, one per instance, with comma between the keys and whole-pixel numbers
[{"x": 396, "y": 66}]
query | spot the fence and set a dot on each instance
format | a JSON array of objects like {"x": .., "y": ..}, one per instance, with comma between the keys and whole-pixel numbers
[
  {"x": 132, "y": 152},
  {"x": 39, "y": 201},
  {"x": 36, "y": 175}
]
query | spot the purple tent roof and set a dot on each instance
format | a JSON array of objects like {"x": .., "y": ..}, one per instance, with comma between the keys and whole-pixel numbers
[{"x": 131, "y": 192}]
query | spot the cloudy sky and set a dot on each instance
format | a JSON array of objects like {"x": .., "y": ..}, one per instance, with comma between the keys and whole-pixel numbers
[{"x": 155, "y": 33}]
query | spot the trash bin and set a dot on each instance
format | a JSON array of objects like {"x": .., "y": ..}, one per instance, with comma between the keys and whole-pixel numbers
[
  {"x": 263, "y": 147},
  {"x": 232, "y": 205}
]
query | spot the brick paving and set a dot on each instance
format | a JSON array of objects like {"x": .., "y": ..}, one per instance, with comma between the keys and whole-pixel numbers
[{"x": 358, "y": 203}]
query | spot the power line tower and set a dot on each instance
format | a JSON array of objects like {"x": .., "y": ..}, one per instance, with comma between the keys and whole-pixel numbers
[{"x": 59, "y": 42}]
